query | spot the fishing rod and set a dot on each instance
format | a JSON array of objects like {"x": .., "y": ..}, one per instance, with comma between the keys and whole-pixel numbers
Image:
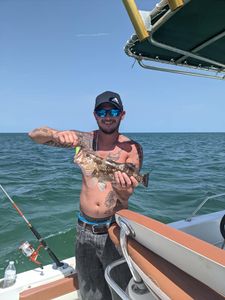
[{"x": 28, "y": 250}]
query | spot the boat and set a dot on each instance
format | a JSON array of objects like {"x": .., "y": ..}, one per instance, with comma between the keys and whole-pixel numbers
[
  {"x": 180, "y": 260},
  {"x": 183, "y": 259},
  {"x": 47, "y": 283}
]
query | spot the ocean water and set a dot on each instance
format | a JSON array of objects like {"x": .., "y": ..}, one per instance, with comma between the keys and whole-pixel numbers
[{"x": 185, "y": 168}]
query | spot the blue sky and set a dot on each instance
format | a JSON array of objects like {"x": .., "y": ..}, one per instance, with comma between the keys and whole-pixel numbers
[{"x": 57, "y": 55}]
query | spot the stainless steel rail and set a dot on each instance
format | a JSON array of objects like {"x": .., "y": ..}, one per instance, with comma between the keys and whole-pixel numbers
[
  {"x": 201, "y": 205},
  {"x": 126, "y": 230},
  {"x": 111, "y": 282}
]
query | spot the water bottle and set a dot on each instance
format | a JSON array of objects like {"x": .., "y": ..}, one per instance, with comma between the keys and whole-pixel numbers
[{"x": 10, "y": 275}]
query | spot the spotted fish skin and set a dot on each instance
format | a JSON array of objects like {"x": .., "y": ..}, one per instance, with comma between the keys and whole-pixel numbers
[{"x": 104, "y": 169}]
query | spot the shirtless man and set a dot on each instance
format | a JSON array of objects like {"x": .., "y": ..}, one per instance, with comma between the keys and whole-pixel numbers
[{"x": 94, "y": 249}]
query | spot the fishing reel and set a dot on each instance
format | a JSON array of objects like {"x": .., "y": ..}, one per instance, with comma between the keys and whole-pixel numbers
[
  {"x": 28, "y": 250},
  {"x": 26, "y": 247}
]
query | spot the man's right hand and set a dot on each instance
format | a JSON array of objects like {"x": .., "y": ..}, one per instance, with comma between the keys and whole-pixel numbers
[{"x": 65, "y": 138}]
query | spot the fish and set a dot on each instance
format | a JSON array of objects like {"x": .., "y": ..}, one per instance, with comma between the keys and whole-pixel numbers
[{"x": 103, "y": 169}]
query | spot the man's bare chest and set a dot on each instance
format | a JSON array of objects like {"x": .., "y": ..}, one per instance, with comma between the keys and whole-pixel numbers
[{"x": 117, "y": 155}]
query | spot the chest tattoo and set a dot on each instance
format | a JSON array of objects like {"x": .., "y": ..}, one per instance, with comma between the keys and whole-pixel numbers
[{"x": 114, "y": 156}]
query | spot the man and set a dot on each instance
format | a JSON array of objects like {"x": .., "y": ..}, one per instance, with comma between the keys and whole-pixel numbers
[{"x": 94, "y": 249}]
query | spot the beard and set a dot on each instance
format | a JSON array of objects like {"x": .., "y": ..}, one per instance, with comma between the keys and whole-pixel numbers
[{"x": 114, "y": 127}]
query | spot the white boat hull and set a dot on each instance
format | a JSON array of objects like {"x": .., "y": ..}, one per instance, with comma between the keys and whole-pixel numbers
[
  {"x": 196, "y": 258},
  {"x": 53, "y": 283}
]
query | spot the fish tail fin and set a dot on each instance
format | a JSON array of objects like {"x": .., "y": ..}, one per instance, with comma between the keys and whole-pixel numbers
[{"x": 145, "y": 179}]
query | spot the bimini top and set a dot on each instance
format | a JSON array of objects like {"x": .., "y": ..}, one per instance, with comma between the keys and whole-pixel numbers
[{"x": 184, "y": 34}]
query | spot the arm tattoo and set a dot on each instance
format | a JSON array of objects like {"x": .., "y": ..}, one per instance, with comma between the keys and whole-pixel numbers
[
  {"x": 85, "y": 139},
  {"x": 55, "y": 144},
  {"x": 113, "y": 203},
  {"x": 46, "y": 133},
  {"x": 139, "y": 154},
  {"x": 119, "y": 205},
  {"x": 110, "y": 199},
  {"x": 40, "y": 130}
]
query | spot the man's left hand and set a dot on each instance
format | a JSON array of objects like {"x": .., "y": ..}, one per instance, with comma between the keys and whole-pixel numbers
[{"x": 124, "y": 182}]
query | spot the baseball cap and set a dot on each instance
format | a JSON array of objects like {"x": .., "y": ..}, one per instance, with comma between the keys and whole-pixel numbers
[{"x": 109, "y": 97}]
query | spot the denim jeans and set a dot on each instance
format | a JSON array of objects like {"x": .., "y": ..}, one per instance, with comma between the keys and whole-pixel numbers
[{"x": 94, "y": 252}]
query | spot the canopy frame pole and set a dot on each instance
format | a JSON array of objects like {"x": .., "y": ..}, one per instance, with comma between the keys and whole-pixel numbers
[
  {"x": 185, "y": 53},
  {"x": 154, "y": 68},
  {"x": 136, "y": 19},
  {"x": 205, "y": 44},
  {"x": 175, "y": 4}
]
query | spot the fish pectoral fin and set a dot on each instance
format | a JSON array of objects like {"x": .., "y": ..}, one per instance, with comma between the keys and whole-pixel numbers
[{"x": 93, "y": 182}]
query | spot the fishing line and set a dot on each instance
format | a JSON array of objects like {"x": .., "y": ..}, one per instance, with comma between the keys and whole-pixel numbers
[{"x": 37, "y": 235}]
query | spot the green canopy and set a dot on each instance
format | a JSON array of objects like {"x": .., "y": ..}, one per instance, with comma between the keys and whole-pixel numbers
[{"x": 192, "y": 36}]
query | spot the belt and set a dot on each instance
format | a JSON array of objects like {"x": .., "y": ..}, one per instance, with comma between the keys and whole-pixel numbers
[{"x": 95, "y": 228}]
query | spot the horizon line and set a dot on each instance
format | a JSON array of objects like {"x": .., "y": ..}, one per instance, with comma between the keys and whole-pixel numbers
[{"x": 26, "y": 132}]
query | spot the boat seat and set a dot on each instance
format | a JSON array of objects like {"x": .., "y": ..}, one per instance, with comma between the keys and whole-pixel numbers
[
  {"x": 51, "y": 290},
  {"x": 170, "y": 279}
]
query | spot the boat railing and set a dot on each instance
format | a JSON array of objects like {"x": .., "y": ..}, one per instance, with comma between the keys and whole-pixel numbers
[
  {"x": 125, "y": 231},
  {"x": 203, "y": 203},
  {"x": 112, "y": 284},
  {"x": 138, "y": 284}
]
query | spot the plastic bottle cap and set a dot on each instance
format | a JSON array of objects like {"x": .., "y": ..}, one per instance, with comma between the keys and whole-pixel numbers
[{"x": 11, "y": 262}]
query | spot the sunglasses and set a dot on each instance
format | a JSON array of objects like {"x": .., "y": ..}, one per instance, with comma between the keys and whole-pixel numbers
[{"x": 113, "y": 112}]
